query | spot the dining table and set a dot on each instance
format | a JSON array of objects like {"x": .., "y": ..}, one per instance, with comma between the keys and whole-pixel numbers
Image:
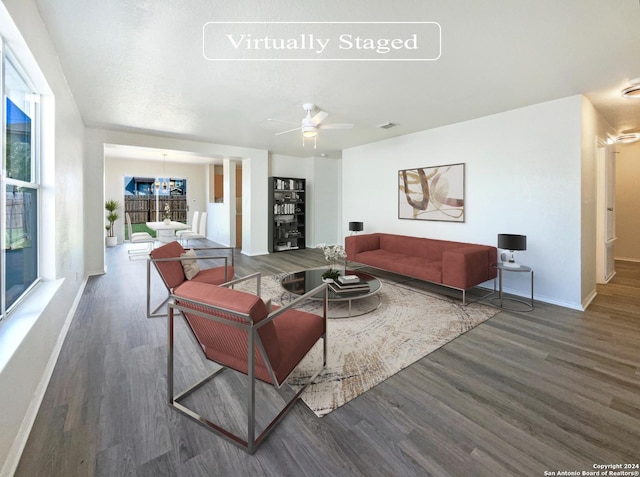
[{"x": 166, "y": 230}]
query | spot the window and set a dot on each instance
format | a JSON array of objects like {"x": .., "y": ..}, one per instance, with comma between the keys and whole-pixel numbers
[
  {"x": 20, "y": 186},
  {"x": 145, "y": 199}
]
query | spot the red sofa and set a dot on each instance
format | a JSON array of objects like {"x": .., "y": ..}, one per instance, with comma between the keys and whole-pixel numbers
[{"x": 453, "y": 264}]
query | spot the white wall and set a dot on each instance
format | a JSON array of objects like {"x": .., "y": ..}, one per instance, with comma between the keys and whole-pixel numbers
[
  {"x": 523, "y": 176},
  {"x": 24, "y": 373},
  {"x": 117, "y": 169},
  {"x": 627, "y": 246},
  {"x": 287, "y": 166},
  {"x": 324, "y": 192},
  {"x": 255, "y": 229},
  {"x": 594, "y": 130}
]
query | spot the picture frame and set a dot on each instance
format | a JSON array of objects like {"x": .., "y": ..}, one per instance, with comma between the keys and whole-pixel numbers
[{"x": 435, "y": 193}]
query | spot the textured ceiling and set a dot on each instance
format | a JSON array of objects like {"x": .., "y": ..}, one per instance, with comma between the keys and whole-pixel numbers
[{"x": 139, "y": 66}]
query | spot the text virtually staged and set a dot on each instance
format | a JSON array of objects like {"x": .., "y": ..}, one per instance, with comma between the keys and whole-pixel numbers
[{"x": 420, "y": 41}]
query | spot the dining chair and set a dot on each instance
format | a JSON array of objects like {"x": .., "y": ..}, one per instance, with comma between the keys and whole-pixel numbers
[
  {"x": 202, "y": 230},
  {"x": 138, "y": 237},
  {"x": 193, "y": 227}
]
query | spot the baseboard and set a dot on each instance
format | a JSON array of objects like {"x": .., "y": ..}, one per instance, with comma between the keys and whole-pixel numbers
[
  {"x": 97, "y": 272},
  {"x": 254, "y": 254},
  {"x": 627, "y": 259},
  {"x": 587, "y": 301},
  {"x": 546, "y": 299},
  {"x": 564, "y": 304},
  {"x": 20, "y": 441}
]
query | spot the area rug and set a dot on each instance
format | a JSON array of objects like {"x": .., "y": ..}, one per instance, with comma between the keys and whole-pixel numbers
[{"x": 365, "y": 350}]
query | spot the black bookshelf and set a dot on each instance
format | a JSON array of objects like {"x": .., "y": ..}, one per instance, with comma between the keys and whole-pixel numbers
[{"x": 286, "y": 214}]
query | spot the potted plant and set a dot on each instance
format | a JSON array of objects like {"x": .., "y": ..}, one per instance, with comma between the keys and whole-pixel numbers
[
  {"x": 167, "y": 213},
  {"x": 111, "y": 206},
  {"x": 331, "y": 255}
]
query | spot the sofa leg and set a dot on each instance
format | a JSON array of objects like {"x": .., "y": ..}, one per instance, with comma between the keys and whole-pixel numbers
[{"x": 475, "y": 300}]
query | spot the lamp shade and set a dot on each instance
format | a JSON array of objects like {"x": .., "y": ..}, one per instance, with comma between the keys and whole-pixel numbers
[
  {"x": 512, "y": 242},
  {"x": 356, "y": 226}
]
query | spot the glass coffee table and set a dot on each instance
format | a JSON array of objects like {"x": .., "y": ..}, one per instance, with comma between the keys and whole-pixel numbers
[{"x": 299, "y": 283}]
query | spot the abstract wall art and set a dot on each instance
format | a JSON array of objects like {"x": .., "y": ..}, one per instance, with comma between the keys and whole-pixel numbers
[{"x": 432, "y": 193}]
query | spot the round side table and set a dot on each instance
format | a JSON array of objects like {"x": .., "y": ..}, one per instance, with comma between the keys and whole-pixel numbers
[{"x": 501, "y": 299}]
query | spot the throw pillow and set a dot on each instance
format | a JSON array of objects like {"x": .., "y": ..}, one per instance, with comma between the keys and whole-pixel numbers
[
  {"x": 267, "y": 303},
  {"x": 190, "y": 264}
]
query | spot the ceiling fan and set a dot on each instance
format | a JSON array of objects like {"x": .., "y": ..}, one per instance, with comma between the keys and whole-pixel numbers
[{"x": 310, "y": 125}]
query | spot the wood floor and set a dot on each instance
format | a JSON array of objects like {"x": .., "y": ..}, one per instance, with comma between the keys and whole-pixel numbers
[{"x": 523, "y": 393}]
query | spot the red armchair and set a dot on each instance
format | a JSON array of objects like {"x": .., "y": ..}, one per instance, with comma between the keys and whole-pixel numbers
[
  {"x": 235, "y": 329},
  {"x": 176, "y": 266}
]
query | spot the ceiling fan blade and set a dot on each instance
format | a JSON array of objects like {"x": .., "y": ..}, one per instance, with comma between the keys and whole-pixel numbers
[
  {"x": 318, "y": 118},
  {"x": 281, "y": 121},
  {"x": 335, "y": 126},
  {"x": 288, "y": 131}
]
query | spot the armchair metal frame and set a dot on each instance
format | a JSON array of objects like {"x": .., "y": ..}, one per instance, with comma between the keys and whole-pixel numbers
[
  {"x": 155, "y": 312},
  {"x": 251, "y": 443}
]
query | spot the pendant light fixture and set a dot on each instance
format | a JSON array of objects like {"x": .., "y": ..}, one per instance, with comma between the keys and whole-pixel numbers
[{"x": 164, "y": 173}]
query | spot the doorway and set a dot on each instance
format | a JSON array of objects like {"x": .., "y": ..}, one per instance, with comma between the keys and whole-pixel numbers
[
  {"x": 606, "y": 216},
  {"x": 239, "y": 205}
]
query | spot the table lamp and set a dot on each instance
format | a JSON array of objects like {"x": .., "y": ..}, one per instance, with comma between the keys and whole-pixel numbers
[
  {"x": 512, "y": 243},
  {"x": 356, "y": 227}
]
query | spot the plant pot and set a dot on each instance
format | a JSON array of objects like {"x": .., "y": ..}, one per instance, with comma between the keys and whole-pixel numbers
[
  {"x": 327, "y": 280},
  {"x": 167, "y": 221},
  {"x": 111, "y": 241}
]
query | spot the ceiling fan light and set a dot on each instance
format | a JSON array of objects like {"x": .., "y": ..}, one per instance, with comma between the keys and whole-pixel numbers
[
  {"x": 632, "y": 91},
  {"x": 628, "y": 138},
  {"x": 309, "y": 131}
]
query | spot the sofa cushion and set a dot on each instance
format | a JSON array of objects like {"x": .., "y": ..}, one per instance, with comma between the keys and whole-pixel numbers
[
  {"x": 437, "y": 247},
  {"x": 297, "y": 331},
  {"x": 421, "y": 268},
  {"x": 190, "y": 264},
  {"x": 379, "y": 258},
  {"x": 228, "y": 298},
  {"x": 171, "y": 272},
  {"x": 416, "y": 246},
  {"x": 467, "y": 266},
  {"x": 413, "y": 246},
  {"x": 214, "y": 276},
  {"x": 361, "y": 243},
  {"x": 221, "y": 341}
]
